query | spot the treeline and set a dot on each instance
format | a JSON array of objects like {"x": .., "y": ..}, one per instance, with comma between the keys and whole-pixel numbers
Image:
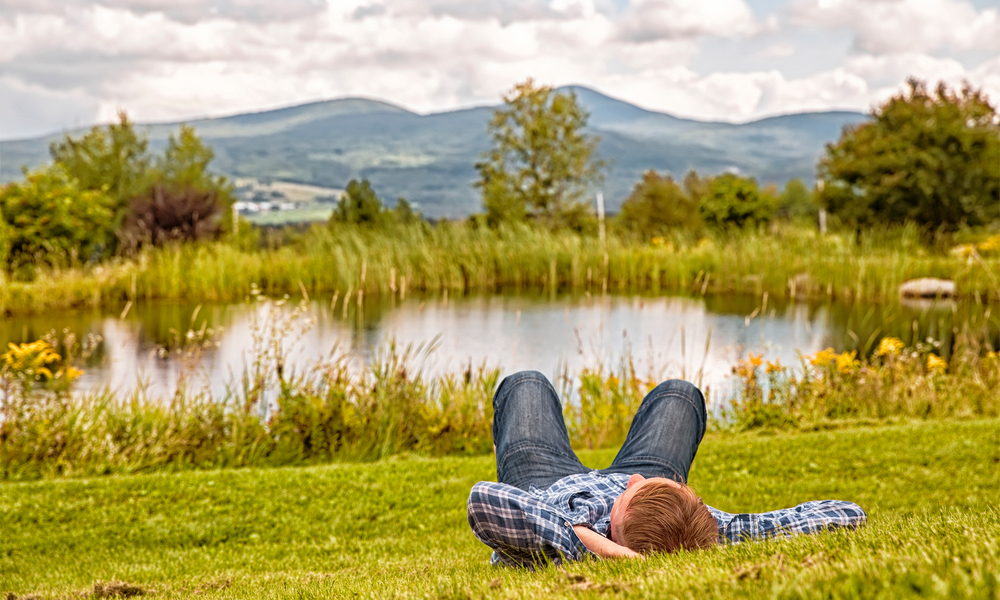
[
  {"x": 105, "y": 194},
  {"x": 927, "y": 158}
]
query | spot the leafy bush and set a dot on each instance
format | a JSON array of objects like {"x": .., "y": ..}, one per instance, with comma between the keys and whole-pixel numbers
[
  {"x": 48, "y": 219},
  {"x": 735, "y": 200},
  {"x": 165, "y": 214},
  {"x": 657, "y": 206},
  {"x": 796, "y": 201}
]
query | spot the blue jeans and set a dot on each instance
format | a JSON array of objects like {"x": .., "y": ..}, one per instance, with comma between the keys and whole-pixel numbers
[{"x": 532, "y": 445}]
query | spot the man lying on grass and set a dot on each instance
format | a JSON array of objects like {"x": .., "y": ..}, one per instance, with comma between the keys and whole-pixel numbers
[{"x": 547, "y": 506}]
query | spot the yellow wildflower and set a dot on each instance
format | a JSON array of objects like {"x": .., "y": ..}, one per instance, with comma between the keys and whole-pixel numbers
[
  {"x": 755, "y": 360},
  {"x": 936, "y": 364},
  {"x": 990, "y": 243},
  {"x": 846, "y": 362},
  {"x": 823, "y": 358},
  {"x": 775, "y": 367},
  {"x": 890, "y": 345}
]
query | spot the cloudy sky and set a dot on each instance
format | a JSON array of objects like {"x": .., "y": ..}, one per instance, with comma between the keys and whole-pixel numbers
[{"x": 66, "y": 63}]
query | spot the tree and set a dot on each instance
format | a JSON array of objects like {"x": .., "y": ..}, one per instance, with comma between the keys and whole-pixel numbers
[
  {"x": 541, "y": 162},
  {"x": 114, "y": 159},
  {"x": 657, "y": 206},
  {"x": 926, "y": 157},
  {"x": 48, "y": 219},
  {"x": 736, "y": 201},
  {"x": 796, "y": 201},
  {"x": 404, "y": 213},
  {"x": 359, "y": 205},
  {"x": 170, "y": 197}
]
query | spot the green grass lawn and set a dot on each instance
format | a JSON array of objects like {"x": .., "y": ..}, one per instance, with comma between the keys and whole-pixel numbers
[{"x": 397, "y": 528}]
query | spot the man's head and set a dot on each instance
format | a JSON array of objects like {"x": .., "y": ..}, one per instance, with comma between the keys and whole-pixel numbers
[{"x": 661, "y": 515}]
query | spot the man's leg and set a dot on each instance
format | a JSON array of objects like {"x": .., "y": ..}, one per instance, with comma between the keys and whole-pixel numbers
[
  {"x": 529, "y": 432},
  {"x": 665, "y": 433}
]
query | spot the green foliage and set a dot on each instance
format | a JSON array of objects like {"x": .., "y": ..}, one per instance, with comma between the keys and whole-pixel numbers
[
  {"x": 404, "y": 213},
  {"x": 359, "y": 206},
  {"x": 114, "y": 159},
  {"x": 736, "y": 201},
  {"x": 796, "y": 201},
  {"x": 541, "y": 162},
  {"x": 927, "y": 157},
  {"x": 169, "y": 197},
  {"x": 659, "y": 206},
  {"x": 183, "y": 169},
  {"x": 50, "y": 220}
]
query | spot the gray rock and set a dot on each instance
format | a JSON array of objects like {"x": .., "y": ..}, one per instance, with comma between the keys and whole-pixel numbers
[{"x": 927, "y": 287}]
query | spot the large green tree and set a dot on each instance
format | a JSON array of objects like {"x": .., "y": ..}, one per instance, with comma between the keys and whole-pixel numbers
[
  {"x": 541, "y": 162},
  {"x": 930, "y": 157}
]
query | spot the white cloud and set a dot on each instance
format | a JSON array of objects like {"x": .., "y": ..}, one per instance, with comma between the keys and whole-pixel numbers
[
  {"x": 778, "y": 50},
  {"x": 884, "y": 26},
  {"x": 154, "y": 59},
  {"x": 650, "y": 20}
]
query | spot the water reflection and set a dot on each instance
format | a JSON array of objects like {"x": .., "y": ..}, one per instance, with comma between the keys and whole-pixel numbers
[{"x": 694, "y": 338}]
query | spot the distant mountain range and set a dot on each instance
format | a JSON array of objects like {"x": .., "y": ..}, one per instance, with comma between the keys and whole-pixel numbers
[{"x": 428, "y": 159}]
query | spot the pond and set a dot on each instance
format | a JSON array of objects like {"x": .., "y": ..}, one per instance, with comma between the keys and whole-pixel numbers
[{"x": 696, "y": 338}]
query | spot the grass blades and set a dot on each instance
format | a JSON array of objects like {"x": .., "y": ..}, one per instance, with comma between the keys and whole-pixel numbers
[
  {"x": 397, "y": 528},
  {"x": 792, "y": 261}
]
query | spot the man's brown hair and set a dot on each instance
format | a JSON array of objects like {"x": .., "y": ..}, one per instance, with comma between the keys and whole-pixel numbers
[{"x": 663, "y": 518}]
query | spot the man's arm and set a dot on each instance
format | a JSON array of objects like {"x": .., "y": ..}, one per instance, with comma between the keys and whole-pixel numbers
[
  {"x": 520, "y": 528},
  {"x": 602, "y": 546},
  {"x": 808, "y": 517}
]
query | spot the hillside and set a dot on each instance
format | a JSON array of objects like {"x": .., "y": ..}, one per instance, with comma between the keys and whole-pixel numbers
[{"x": 429, "y": 158}]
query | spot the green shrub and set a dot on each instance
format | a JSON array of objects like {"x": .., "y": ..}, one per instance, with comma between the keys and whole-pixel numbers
[
  {"x": 736, "y": 201},
  {"x": 49, "y": 220},
  {"x": 658, "y": 206}
]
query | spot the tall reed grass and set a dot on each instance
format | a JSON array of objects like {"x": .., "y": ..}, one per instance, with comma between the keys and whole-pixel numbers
[{"x": 788, "y": 262}]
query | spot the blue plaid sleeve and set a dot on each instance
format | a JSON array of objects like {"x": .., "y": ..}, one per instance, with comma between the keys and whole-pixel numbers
[
  {"x": 521, "y": 529},
  {"x": 808, "y": 517}
]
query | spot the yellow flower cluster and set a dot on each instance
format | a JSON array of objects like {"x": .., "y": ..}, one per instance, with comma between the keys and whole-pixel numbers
[
  {"x": 890, "y": 346},
  {"x": 31, "y": 359},
  {"x": 747, "y": 369},
  {"x": 936, "y": 364},
  {"x": 847, "y": 363},
  {"x": 990, "y": 243},
  {"x": 823, "y": 358}
]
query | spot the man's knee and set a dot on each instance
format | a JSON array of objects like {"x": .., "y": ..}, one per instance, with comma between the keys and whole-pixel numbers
[
  {"x": 680, "y": 389},
  {"x": 516, "y": 379}
]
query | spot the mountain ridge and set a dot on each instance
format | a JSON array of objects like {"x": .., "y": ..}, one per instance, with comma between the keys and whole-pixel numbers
[{"x": 429, "y": 158}]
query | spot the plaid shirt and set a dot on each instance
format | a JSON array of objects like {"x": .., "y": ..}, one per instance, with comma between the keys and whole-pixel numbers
[{"x": 525, "y": 528}]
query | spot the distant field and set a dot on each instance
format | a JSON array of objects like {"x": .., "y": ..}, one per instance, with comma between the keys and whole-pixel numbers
[
  {"x": 306, "y": 212},
  {"x": 397, "y": 528}
]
